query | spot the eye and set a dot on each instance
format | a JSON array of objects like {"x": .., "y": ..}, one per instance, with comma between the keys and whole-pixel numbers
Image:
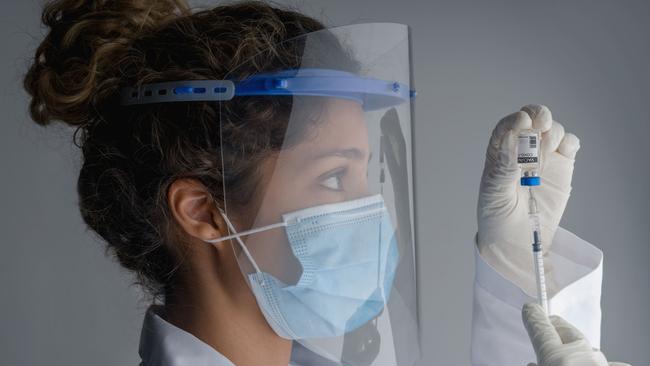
[{"x": 334, "y": 180}]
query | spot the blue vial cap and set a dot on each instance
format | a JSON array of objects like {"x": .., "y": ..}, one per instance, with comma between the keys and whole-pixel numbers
[{"x": 530, "y": 181}]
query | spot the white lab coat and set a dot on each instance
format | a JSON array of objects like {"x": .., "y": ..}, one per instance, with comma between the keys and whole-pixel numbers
[{"x": 498, "y": 335}]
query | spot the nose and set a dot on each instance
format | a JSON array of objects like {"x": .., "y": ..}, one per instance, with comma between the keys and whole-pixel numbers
[{"x": 359, "y": 186}]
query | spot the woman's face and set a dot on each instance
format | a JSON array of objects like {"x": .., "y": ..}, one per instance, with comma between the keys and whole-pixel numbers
[{"x": 330, "y": 165}]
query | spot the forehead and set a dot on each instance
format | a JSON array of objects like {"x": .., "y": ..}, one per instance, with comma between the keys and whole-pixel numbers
[{"x": 339, "y": 125}]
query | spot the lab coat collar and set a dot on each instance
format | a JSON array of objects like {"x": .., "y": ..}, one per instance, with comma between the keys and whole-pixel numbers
[
  {"x": 163, "y": 344},
  {"x": 581, "y": 262}
]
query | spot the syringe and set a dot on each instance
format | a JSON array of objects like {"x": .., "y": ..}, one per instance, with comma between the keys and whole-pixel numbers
[
  {"x": 538, "y": 255},
  {"x": 528, "y": 157}
]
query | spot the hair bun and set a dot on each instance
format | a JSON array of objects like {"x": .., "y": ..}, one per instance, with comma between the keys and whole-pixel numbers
[{"x": 75, "y": 66}]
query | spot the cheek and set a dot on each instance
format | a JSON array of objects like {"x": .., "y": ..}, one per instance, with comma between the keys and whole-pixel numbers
[
  {"x": 270, "y": 249},
  {"x": 272, "y": 253}
]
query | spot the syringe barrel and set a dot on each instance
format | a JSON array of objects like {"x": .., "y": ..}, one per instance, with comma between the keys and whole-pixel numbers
[
  {"x": 540, "y": 278},
  {"x": 538, "y": 254},
  {"x": 536, "y": 228},
  {"x": 533, "y": 214}
]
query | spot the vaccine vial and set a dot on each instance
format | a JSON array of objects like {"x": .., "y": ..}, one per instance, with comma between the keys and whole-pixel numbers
[{"x": 529, "y": 157}]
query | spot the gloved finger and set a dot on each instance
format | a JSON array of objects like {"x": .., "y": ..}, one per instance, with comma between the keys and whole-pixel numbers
[
  {"x": 507, "y": 159},
  {"x": 540, "y": 115},
  {"x": 619, "y": 364},
  {"x": 569, "y": 145},
  {"x": 540, "y": 330},
  {"x": 532, "y": 364},
  {"x": 567, "y": 332},
  {"x": 515, "y": 121},
  {"x": 551, "y": 139}
]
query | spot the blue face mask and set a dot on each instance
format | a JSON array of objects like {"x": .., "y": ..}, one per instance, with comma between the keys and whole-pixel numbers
[{"x": 348, "y": 252}]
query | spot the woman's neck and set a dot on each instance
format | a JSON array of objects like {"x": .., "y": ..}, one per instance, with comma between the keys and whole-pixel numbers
[{"x": 218, "y": 308}]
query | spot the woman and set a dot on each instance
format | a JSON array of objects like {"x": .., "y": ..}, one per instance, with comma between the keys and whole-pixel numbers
[{"x": 284, "y": 145}]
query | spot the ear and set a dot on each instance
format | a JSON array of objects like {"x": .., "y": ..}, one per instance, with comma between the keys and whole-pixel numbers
[{"x": 194, "y": 210}]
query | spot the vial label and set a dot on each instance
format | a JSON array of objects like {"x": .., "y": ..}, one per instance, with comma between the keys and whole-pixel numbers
[{"x": 527, "y": 149}]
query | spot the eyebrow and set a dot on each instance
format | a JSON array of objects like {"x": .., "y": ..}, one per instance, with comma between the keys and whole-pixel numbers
[{"x": 352, "y": 153}]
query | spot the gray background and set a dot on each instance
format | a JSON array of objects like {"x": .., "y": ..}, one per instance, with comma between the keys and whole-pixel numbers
[{"x": 63, "y": 302}]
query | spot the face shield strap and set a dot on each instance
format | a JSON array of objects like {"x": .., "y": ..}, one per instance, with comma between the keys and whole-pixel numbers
[{"x": 371, "y": 93}]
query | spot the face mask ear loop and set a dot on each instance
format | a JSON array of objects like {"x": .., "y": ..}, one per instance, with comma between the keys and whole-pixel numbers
[{"x": 238, "y": 238}]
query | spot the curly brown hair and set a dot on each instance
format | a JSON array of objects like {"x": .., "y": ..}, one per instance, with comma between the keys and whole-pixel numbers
[{"x": 131, "y": 155}]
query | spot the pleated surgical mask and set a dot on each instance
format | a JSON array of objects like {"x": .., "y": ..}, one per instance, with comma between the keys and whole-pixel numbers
[{"x": 348, "y": 253}]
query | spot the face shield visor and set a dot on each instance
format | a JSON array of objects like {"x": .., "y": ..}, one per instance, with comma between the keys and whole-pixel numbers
[{"x": 325, "y": 237}]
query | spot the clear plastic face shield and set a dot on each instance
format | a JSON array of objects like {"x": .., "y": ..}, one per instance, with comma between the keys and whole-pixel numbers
[
  {"x": 327, "y": 245},
  {"x": 325, "y": 241}
]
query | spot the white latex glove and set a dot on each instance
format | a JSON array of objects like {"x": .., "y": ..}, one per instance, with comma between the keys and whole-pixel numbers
[
  {"x": 558, "y": 343},
  {"x": 504, "y": 233}
]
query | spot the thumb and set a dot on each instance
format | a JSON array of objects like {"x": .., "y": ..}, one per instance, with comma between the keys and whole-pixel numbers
[
  {"x": 501, "y": 174},
  {"x": 567, "y": 332},
  {"x": 507, "y": 158},
  {"x": 541, "y": 331},
  {"x": 503, "y": 169}
]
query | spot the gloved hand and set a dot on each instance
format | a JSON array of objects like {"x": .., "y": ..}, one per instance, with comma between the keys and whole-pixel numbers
[
  {"x": 504, "y": 233},
  {"x": 558, "y": 343}
]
